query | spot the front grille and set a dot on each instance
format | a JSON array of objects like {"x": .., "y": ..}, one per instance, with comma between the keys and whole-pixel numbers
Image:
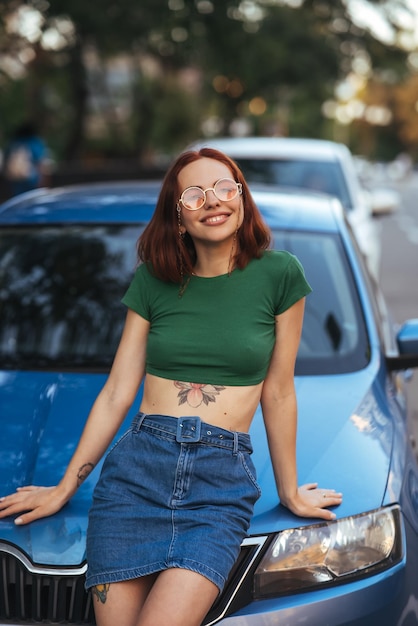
[{"x": 31, "y": 594}]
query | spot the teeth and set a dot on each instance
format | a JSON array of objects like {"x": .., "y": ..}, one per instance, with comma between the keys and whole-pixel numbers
[{"x": 215, "y": 218}]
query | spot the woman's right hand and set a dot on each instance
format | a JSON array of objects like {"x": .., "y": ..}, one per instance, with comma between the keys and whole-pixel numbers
[{"x": 32, "y": 503}]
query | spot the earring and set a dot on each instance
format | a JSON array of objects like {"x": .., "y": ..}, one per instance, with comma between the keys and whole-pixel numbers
[
  {"x": 179, "y": 224},
  {"x": 232, "y": 253},
  {"x": 183, "y": 283}
]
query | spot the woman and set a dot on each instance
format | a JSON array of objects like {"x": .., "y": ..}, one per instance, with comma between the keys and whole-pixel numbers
[{"x": 213, "y": 327}]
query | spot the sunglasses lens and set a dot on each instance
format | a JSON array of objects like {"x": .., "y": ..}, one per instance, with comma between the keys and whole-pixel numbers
[
  {"x": 193, "y": 198},
  {"x": 226, "y": 189}
]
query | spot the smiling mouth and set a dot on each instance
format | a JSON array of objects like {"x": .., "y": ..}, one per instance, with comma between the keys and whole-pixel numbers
[{"x": 214, "y": 219}]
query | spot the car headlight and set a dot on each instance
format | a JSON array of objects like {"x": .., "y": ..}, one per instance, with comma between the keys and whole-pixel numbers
[{"x": 300, "y": 558}]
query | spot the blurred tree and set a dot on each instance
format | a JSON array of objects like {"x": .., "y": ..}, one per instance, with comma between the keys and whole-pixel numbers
[
  {"x": 288, "y": 58},
  {"x": 283, "y": 58},
  {"x": 406, "y": 113},
  {"x": 376, "y": 132},
  {"x": 191, "y": 62}
]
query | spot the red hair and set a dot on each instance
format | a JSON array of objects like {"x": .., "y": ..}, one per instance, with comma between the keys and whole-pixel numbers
[{"x": 172, "y": 257}]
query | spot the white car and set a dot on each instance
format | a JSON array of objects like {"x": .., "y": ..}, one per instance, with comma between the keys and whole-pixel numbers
[{"x": 311, "y": 164}]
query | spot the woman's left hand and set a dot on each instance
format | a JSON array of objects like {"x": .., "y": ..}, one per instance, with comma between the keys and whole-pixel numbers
[{"x": 311, "y": 501}]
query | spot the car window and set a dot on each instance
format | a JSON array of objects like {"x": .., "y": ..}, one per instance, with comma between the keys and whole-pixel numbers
[
  {"x": 334, "y": 337},
  {"x": 323, "y": 176},
  {"x": 60, "y": 291},
  {"x": 385, "y": 323}
]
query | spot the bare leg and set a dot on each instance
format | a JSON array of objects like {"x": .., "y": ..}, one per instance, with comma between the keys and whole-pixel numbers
[
  {"x": 121, "y": 603},
  {"x": 179, "y": 597}
]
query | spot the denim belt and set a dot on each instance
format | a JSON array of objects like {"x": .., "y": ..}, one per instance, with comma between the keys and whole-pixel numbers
[{"x": 191, "y": 429}]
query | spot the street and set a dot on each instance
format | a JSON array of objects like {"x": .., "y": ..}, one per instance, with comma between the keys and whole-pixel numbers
[{"x": 399, "y": 267}]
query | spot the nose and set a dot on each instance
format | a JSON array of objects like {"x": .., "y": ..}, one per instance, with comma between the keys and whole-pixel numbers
[{"x": 211, "y": 198}]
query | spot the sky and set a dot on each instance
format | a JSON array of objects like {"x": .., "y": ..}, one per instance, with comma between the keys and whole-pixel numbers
[{"x": 369, "y": 16}]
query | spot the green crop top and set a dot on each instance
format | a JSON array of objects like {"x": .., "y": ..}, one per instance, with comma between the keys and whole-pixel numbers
[{"x": 222, "y": 330}]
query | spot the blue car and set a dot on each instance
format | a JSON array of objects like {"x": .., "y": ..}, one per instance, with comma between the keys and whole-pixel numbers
[{"x": 66, "y": 258}]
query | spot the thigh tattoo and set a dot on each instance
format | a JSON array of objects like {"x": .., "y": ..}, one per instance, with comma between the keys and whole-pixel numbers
[{"x": 100, "y": 591}]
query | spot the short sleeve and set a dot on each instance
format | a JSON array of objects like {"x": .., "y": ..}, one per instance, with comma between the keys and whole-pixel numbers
[
  {"x": 137, "y": 297},
  {"x": 293, "y": 285}
]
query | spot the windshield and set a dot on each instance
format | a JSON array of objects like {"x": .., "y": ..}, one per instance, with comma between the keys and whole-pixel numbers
[
  {"x": 322, "y": 176},
  {"x": 60, "y": 293},
  {"x": 61, "y": 286},
  {"x": 334, "y": 337}
]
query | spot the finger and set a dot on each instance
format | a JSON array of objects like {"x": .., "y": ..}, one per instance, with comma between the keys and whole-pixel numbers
[
  {"x": 7, "y": 502},
  {"x": 13, "y": 509},
  {"x": 26, "y": 518},
  {"x": 20, "y": 490},
  {"x": 16, "y": 503},
  {"x": 309, "y": 486},
  {"x": 331, "y": 497},
  {"x": 36, "y": 513},
  {"x": 325, "y": 514},
  {"x": 4, "y": 500}
]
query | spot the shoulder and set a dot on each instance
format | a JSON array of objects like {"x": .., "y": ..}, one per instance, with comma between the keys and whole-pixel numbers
[
  {"x": 278, "y": 261},
  {"x": 276, "y": 258},
  {"x": 145, "y": 281},
  {"x": 144, "y": 273},
  {"x": 282, "y": 274},
  {"x": 140, "y": 292}
]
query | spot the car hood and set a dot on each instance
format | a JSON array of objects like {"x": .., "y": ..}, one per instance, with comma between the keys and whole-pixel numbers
[
  {"x": 345, "y": 435},
  {"x": 43, "y": 415},
  {"x": 344, "y": 442}
]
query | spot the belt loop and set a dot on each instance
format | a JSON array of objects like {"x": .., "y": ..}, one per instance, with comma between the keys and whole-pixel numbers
[
  {"x": 138, "y": 420},
  {"x": 235, "y": 451}
]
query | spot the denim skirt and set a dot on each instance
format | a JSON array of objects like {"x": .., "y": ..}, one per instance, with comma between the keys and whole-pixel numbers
[{"x": 173, "y": 492}]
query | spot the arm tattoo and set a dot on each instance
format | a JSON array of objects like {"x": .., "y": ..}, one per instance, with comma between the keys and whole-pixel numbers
[
  {"x": 195, "y": 394},
  {"x": 100, "y": 591},
  {"x": 83, "y": 472}
]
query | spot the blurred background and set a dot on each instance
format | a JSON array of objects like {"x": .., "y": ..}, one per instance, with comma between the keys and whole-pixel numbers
[{"x": 115, "y": 88}]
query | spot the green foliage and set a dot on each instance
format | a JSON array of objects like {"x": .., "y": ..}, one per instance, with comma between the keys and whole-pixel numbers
[
  {"x": 12, "y": 109},
  {"x": 288, "y": 58}
]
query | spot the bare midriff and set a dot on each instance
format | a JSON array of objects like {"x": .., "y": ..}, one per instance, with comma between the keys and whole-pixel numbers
[{"x": 229, "y": 407}]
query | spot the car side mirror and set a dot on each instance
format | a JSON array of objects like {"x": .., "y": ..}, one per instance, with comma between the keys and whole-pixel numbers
[{"x": 407, "y": 340}]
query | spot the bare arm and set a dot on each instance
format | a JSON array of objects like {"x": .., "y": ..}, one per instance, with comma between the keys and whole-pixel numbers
[
  {"x": 278, "y": 401},
  {"x": 106, "y": 416}
]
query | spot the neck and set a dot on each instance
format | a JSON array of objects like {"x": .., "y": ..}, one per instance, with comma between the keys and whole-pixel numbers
[{"x": 211, "y": 261}]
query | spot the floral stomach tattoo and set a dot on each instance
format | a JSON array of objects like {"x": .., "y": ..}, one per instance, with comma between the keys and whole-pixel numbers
[{"x": 196, "y": 394}]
